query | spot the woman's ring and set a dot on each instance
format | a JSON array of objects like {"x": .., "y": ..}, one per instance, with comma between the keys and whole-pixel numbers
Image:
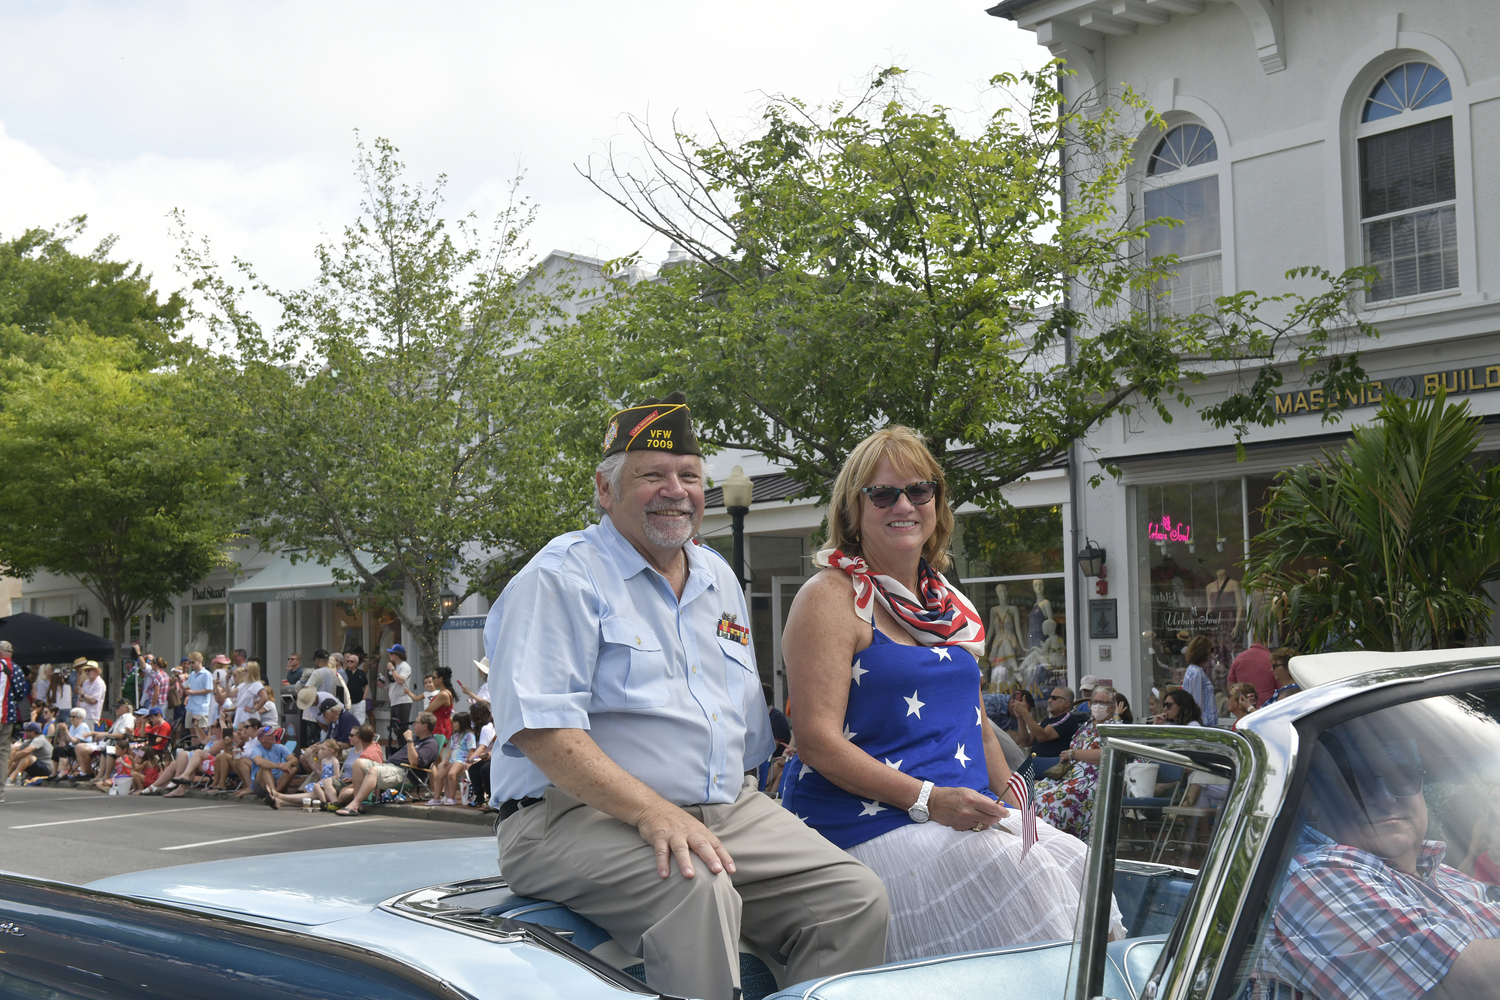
[{"x": 980, "y": 827}]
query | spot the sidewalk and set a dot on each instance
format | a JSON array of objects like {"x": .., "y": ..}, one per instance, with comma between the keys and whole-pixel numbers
[{"x": 404, "y": 810}]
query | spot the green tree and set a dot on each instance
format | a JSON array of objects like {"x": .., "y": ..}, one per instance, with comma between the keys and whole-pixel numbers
[
  {"x": 1387, "y": 545},
  {"x": 49, "y": 290},
  {"x": 392, "y": 418},
  {"x": 109, "y": 478},
  {"x": 854, "y": 265}
]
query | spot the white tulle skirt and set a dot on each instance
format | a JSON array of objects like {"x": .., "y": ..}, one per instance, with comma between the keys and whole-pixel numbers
[{"x": 953, "y": 891}]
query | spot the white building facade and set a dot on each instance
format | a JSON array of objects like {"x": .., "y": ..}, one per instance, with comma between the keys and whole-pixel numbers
[{"x": 1336, "y": 134}]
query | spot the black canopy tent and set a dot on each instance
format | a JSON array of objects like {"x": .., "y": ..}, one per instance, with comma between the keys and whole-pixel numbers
[{"x": 41, "y": 640}]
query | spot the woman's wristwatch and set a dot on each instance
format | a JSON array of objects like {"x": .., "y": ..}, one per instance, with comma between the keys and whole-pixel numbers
[{"x": 918, "y": 811}]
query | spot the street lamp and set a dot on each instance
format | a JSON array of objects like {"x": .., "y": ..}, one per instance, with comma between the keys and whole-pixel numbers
[
  {"x": 1091, "y": 559},
  {"x": 738, "y": 491},
  {"x": 450, "y": 601}
]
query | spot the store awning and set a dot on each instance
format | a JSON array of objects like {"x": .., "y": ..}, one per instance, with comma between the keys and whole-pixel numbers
[{"x": 305, "y": 580}]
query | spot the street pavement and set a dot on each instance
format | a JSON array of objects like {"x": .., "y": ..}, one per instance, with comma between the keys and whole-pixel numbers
[{"x": 82, "y": 835}]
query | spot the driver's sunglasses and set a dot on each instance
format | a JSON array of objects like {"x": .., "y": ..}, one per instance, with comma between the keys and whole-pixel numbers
[
  {"x": 886, "y": 496},
  {"x": 1400, "y": 781}
]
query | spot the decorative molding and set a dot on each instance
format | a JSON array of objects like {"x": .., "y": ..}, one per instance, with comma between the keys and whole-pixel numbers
[
  {"x": 1078, "y": 47},
  {"x": 1265, "y": 23}
]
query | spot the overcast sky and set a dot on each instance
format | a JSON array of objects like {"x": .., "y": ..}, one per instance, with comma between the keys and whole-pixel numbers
[{"x": 243, "y": 114}]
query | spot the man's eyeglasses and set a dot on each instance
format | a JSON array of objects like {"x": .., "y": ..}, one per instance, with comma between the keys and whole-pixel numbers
[{"x": 886, "y": 496}]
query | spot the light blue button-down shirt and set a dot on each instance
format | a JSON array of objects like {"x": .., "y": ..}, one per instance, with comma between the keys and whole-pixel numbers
[{"x": 589, "y": 636}]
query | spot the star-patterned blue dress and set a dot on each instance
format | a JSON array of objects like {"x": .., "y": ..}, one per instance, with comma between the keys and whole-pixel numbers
[{"x": 914, "y": 708}]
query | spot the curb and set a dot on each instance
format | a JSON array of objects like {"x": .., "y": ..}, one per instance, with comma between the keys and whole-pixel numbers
[{"x": 402, "y": 810}]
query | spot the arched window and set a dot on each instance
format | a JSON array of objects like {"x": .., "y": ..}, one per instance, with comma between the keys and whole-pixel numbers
[
  {"x": 1182, "y": 183},
  {"x": 1407, "y": 194}
]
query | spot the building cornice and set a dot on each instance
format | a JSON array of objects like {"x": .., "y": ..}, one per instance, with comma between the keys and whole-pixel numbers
[{"x": 1075, "y": 30}]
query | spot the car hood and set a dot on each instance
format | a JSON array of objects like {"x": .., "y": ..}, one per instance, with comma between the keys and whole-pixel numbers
[{"x": 311, "y": 887}]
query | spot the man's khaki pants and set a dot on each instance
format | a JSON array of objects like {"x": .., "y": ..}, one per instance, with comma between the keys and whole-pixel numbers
[{"x": 805, "y": 902}]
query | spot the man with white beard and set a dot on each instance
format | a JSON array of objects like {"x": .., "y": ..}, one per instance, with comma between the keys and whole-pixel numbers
[{"x": 626, "y": 698}]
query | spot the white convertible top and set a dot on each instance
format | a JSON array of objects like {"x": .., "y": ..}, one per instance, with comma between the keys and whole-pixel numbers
[{"x": 1323, "y": 668}]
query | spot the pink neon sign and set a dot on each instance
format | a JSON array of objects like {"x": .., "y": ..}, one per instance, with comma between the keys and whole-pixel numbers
[{"x": 1164, "y": 531}]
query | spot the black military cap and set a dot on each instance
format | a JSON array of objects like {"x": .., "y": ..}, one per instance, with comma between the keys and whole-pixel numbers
[{"x": 655, "y": 425}]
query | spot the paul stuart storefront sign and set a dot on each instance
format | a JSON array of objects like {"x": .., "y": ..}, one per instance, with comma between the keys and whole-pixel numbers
[{"x": 1455, "y": 381}]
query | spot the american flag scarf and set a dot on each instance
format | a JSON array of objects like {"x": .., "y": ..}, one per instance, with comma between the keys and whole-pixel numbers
[{"x": 943, "y": 616}]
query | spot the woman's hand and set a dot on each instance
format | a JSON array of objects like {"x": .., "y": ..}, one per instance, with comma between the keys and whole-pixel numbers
[{"x": 964, "y": 808}]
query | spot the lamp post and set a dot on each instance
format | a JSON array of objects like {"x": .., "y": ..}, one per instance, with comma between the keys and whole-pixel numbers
[{"x": 738, "y": 491}]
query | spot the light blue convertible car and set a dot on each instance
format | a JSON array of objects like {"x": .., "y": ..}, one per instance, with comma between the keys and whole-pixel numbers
[{"x": 1201, "y": 835}]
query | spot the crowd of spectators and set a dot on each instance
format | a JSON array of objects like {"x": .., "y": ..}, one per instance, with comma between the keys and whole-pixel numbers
[{"x": 214, "y": 724}]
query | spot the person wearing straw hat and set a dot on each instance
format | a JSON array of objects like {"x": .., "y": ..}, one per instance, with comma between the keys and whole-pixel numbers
[
  {"x": 91, "y": 691},
  {"x": 622, "y": 672},
  {"x": 482, "y": 697}
]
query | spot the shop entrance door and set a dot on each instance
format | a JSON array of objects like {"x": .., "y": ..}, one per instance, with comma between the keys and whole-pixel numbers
[{"x": 783, "y": 589}]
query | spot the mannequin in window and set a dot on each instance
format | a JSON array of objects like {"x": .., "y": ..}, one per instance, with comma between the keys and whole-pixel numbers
[
  {"x": 1037, "y": 668},
  {"x": 1005, "y": 638},
  {"x": 1041, "y": 612}
]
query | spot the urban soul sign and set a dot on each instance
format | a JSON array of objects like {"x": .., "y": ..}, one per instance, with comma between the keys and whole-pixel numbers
[
  {"x": 1166, "y": 531},
  {"x": 1455, "y": 381}
]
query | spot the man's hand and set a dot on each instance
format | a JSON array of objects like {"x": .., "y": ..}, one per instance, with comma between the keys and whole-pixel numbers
[
  {"x": 675, "y": 834},
  {"x": 407, "y": 736}
]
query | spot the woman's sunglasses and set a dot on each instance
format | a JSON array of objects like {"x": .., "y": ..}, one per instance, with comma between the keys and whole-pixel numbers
[{"x": 886, "y": 496}]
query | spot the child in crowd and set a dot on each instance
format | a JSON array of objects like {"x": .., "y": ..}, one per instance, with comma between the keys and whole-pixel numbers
[{"x": 448, "y": 771}]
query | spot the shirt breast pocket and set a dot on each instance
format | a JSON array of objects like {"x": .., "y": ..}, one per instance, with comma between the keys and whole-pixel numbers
[
  {"x": 739, "y": 670},
  {"x": 632, "y": 670}
]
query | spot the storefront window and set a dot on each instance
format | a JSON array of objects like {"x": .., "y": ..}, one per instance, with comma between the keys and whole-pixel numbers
[
  {"x": 1010, "y": 564},
  {"x": 348, "y": 626},
  {"x": 205, "y": 629},
  {"x": 1191, "y": 547}
]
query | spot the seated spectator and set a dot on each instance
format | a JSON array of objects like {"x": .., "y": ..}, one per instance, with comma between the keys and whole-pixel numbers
[
  {"x": 1122, "y": 709},
  {"x": 83, "y": 752},
  {"x": 1068, "y": 802},
  {"x": 1243, "y": 698},
  {"x": 450, "y": 770},
  {"x": 31, "y": 756},
  {"x": 320, "y": 786},
  {"x": 231, "y": 761},
  {"x": 118, "y": 751},
  {"x": 1050, "y": 738},
  {"x": 272, "y": 766},
  {"x": 77, "y": 733},
  {"x": 479, "y": 766},
  {"x": 154, "y": 731},
  {"x": 366, "y": 747},
  {"x": 1368, "y": 909},
  {"x": 1180, "y": 710},
  {"x": 189, "y": 766},
  {"x": 419, "y": 750},
  {"x": 336, "y": 722},
  {"x": 1281, "y": 667}
]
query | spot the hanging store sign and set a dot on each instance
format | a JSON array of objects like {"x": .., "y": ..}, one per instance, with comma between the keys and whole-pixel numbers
[
  {"x": 1454, "y": 381},
  {"x": 458, "y": 622}
]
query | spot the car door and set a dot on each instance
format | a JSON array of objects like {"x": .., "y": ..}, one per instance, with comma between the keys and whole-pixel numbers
[{"x": 62, "y": 942}]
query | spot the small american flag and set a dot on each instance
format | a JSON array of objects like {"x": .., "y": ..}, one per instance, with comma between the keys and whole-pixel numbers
[{"x": 1020, "y": 793}]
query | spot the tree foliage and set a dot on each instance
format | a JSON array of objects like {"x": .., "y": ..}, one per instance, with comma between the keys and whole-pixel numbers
[
  {"x": 110, "y": 477},
  {"x": 854, "y": 265},
  {"x": 391, "y": 418},
  {"x": 49, "y": 290},
  {"x": 1387, "y": 545}
]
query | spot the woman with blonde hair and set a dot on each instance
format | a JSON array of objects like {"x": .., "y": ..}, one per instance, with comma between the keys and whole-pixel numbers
[{"x": 895, "y": 760}]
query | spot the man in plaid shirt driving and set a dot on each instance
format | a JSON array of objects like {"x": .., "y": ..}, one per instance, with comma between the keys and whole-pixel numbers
[{"x": 1368, "y": 909}]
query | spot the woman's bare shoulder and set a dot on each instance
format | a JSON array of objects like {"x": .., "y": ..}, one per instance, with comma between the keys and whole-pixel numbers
[{"x": 828, "y": 590}]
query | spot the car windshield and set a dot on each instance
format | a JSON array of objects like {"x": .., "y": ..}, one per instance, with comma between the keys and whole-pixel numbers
[{"x": 1389, "y": 883}]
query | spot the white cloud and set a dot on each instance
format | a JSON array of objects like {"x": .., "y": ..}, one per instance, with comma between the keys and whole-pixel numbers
[{"x": 243, "y": 114}]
